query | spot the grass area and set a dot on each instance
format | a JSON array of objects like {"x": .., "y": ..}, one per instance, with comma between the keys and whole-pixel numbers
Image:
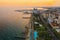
[
  {"x": 56, "y": 33},
  {"x": 41, "y": 29}
]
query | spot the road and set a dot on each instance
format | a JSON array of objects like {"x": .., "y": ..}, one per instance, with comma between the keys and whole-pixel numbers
[{"x": 50, "y": 30}]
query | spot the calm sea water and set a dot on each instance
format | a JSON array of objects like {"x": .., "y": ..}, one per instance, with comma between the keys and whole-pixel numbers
[{"x": 11, "y": 23}]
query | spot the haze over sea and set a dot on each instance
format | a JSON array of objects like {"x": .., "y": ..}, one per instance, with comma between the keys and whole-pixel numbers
[{"x": 11, "y": 23}]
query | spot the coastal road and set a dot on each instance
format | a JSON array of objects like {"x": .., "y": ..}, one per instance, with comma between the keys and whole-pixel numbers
[{"x": 50, "y": 30}]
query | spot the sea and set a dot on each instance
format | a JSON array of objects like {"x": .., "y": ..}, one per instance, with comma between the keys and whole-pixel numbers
[{"x": 12, "y": 23}]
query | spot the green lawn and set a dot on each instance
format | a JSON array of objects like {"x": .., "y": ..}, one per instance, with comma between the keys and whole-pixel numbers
[{"x": 42, "y": 31}]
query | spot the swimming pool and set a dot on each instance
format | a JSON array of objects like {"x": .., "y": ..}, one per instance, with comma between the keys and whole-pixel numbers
[{"x": 35, "y": 35}]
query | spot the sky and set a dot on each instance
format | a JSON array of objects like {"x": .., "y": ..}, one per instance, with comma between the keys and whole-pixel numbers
[{"x": 29, "y": 2}]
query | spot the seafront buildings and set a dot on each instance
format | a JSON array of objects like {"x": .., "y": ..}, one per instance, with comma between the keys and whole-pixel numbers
[
  {"x": 43, "y": 25},
  {"x": 53, "y": 18}
]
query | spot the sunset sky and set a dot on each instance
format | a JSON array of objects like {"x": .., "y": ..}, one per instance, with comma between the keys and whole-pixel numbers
[{"x": 29, "y": 2}]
